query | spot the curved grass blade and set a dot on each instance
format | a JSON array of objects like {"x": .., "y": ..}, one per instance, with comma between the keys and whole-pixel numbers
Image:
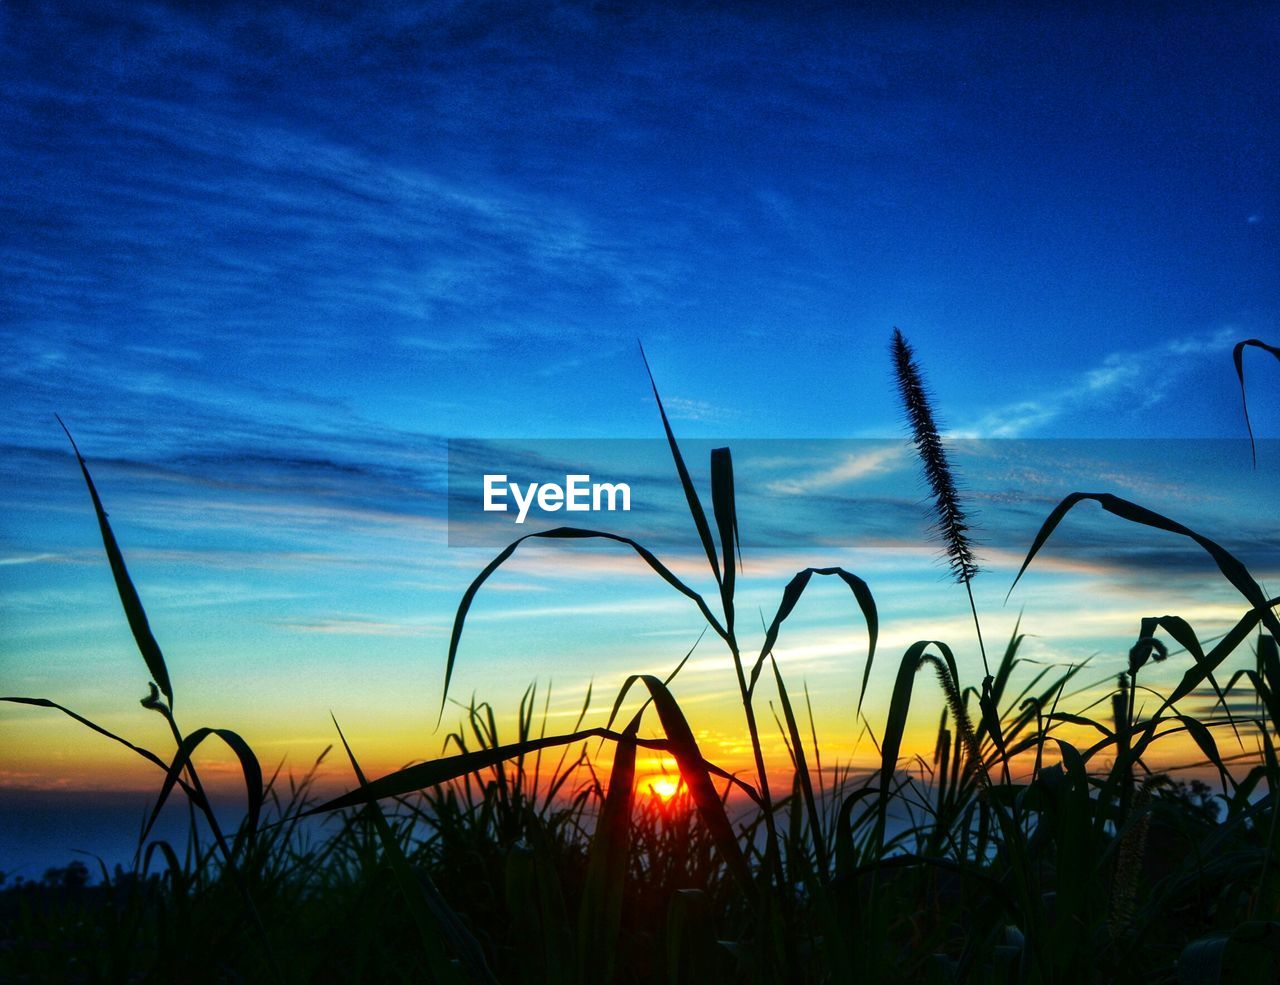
[
  {"x": 693, "y": 769},
  {"x": 791, "y": 595},
  {"x": 133, "y": 610},
  {"x": 896, "y": 724},
  {"x": 177, "y": 877},
  {"x": 420, "y": 776},
  {"x": 1070, "y": 719},
  {"x": 1231, "y": 568},
  {"x": 146, "y": 754},
  {"x": 1259, "y": 692},
  {"x": 1237, "y": 355},
  {"x": 1185, "y": 636},
  {"x": 1130, "y": 753},
  {"x": 686, "y": 483},
  {"x": 249, "y": 766},
  {"x": 845, "y": 826},
  {"x": 1204, "y": 739},
  {"x": 1196, "y": 675},
  {"x": 563, "y": 533}
]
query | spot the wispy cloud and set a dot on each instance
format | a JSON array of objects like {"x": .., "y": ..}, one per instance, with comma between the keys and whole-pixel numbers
[
  {"x": 701, "y": 411},
  {"x": 1141, "y": 377},
  {"x": 360, "y": 626},
  {"x": 28, "y": 559},
  {"x": 851, "y": 469}
]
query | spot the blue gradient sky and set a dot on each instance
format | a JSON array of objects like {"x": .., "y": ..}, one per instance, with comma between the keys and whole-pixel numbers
[{"x": 265, "y": 263}]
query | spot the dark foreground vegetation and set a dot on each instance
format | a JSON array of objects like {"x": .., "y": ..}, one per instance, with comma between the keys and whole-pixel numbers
[{"x": 1033, "y": 845}]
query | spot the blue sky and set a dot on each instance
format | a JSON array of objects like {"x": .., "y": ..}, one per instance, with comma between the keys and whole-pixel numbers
[
  {"x": 266, "y": 262},
  {"x": 448, "y": 220}
]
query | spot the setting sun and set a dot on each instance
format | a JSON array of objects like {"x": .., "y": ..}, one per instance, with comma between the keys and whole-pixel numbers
[{"x": 664, "y": 787}]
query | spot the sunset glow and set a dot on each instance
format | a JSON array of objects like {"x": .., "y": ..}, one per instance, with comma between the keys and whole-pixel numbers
[{"x": 664, "y": 787}]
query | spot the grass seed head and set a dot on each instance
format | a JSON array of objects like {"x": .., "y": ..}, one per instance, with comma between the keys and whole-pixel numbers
[{"x": 951, "y": 521}]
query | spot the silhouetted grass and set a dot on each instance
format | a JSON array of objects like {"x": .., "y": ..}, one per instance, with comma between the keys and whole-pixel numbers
[{"x": 511, "y": 858}]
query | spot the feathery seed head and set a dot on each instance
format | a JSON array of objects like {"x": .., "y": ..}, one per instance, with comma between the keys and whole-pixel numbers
[{"x": 951, "y": 521}]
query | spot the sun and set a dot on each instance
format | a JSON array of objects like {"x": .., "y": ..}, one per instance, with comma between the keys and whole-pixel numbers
[{"x": 664, "y": 787}]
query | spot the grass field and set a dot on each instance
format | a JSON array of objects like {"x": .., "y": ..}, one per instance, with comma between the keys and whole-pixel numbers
[{"x": 1031, "y": 844}]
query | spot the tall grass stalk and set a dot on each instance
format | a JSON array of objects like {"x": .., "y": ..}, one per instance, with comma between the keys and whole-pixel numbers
[{"x": 951, "y": 521}]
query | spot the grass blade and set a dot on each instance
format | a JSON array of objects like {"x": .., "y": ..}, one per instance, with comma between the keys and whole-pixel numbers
[
  {"x": 420, "y": 776},
  {"x": 1237, "y": 355},
  {"x": 249, "y": 767},
  {"x": 802, "y": 773},
  {"x": 691, "y": 949},
  {"x": 1185, "y": 636},
  {"x": 791, "y": 595},
  {"x": 146, "y": 754},
  {"x": 1196, "y": 675},
  {"x": 724, "y": 505},
  {"x": 601, "y": 914},
  {"x": 1231, "y": 568},
  {"x": 693, "y": 769},
  {"x": 562, "y": 533},
  {"x": 896, "y": 723},
  {"x": 133, "y": 610},
  {"x": 686, "y": 483}
]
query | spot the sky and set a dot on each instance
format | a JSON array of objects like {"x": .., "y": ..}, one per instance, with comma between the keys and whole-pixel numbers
[{"x": 267, "y": 263}]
